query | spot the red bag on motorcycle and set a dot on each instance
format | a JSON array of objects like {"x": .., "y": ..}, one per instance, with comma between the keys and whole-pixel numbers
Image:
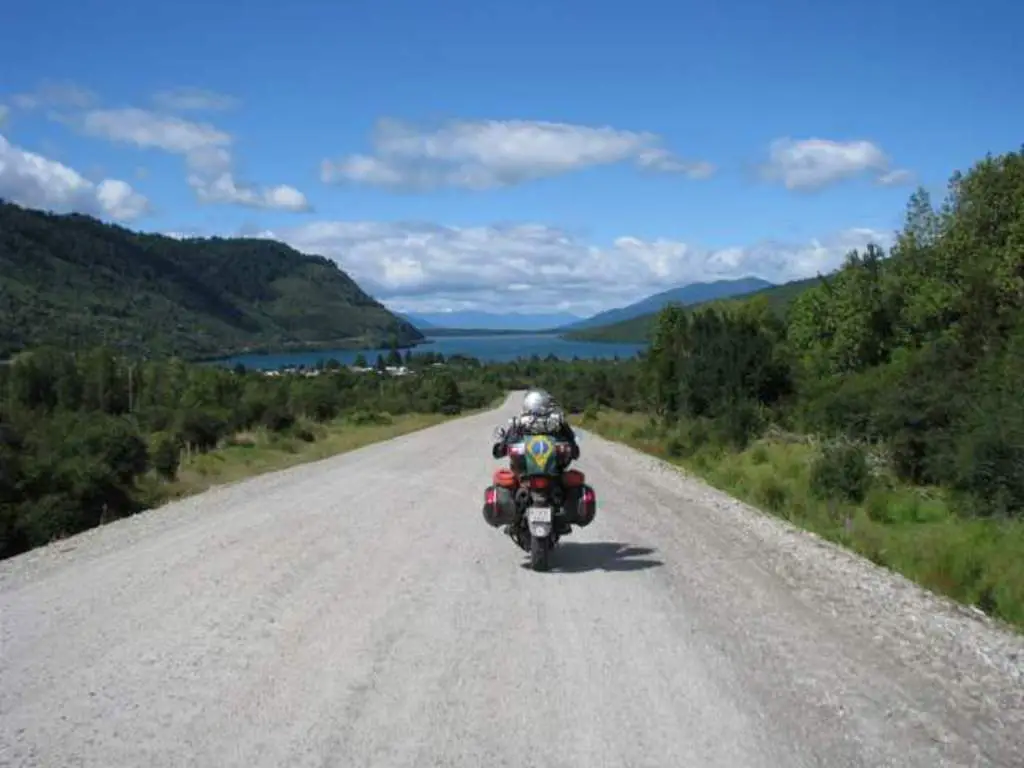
[
  {"x": 499, "y": 506},
  {"x": 580, "y": 499}
]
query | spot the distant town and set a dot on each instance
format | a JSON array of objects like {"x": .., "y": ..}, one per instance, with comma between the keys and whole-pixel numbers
[{"x": 387, "y": 370}]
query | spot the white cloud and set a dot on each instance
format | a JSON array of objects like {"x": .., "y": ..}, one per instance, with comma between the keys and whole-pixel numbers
[
  {"x": 223, "y": 188},
  {"x": 814, "y": 163},
  {"x": 497, "y": 153},
  {"x": 193, "y": 99},
  {"x": 119, "y": 200},
  {"x": 896, "y": 178},
  {"x": 659, "y": 159},
  {"x": 150, "y": 130},
  {"x": 206, "y": 150},
  {"x": 425, "y": 267},
  {"x": 34, "y": 181},
  {"x": 55, "y": 94}
]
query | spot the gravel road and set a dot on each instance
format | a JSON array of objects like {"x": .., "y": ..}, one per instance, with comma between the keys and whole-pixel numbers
[{"x": 359, "y": 612}]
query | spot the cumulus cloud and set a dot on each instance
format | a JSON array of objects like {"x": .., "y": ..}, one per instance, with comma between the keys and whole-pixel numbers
[
  {"x": 186, "y": 99},
  {"x": 205, "y": 149},
  {"x": 427, "y": 267},
  {"x": 35, "y": 181},
  {"x": 806, "y": 164},
  {"x": 497, "y": 153}
]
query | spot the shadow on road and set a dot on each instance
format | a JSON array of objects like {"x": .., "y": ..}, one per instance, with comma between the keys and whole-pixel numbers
[{"x": 584, "y": 556}]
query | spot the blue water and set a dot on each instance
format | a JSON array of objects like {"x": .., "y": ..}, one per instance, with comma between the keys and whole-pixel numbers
[{"x": 485, "y": 348}]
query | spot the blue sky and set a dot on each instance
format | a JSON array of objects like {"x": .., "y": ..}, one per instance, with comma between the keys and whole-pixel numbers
[{"x": 527, "y": 156}]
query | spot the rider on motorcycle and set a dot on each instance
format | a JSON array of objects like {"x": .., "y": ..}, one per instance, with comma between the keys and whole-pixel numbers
[{"x": 540, "y": 414}]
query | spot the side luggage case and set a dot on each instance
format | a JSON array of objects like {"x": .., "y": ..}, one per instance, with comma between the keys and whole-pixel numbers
[
  {"x": 499, "y": 506},
  {"x": 580, "y": 501}
]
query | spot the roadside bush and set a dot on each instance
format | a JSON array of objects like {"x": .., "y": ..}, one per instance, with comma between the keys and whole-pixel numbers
[
  {"x": 770, "y": 492},
  {"x": 444, "y": 395},
  {"x": 166, "y": 455},
  {"x": 841, "y": 472},
  {"x": 991, "y": 471},
  {"x": 738, "y": 424},
  {"x": 201, "y": 429},
  {"x": 366, "y": 418},
  {"x": 277, "y": 418},
  {"x": 675, "y": 445}
]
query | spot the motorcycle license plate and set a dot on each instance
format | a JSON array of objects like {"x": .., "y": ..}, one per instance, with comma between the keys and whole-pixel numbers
[{"x": 539, "y": 515}]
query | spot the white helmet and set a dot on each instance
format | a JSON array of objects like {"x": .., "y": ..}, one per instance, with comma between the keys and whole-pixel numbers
[{"x": 538, "y": 403}]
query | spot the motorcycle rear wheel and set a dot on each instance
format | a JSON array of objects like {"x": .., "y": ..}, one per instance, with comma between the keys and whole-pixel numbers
[{"x": 539, "y": 551}]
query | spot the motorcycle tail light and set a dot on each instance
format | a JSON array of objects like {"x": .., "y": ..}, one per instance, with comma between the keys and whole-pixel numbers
[
  {"x": 538, "y": 482},
  {"x": 491, "y": 497}
]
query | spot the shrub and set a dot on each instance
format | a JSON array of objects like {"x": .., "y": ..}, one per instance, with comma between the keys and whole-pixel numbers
[
  {"x": 277, "y": 418},
  {"x": 166, "y": 455},
  {"x": 201, "y": 429},
  {"x": 841, "y": 472},
  {"x": 770, "y": 492},
  {"x": 368, "y": 418},
  {"x": 738, "y": 424},
  {"x": 990, "y": 467},
  {"x": 759, "y": 454}
]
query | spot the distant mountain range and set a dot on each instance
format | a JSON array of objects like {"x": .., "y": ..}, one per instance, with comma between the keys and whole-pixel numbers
[
  {"x": 490, "y": 320},
  {"x": 693, "y": 293},
  {"x": 639, "y": 329}
]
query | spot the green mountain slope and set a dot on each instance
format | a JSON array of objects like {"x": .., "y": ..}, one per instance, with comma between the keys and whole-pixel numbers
[
  {"x": 692, "y": 293},
  {"x": 73, "y": 281},
  {"x": 637, "y": 329}
]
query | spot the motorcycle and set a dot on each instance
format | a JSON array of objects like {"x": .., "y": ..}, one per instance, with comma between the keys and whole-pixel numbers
[{"x": 538, "y": 498}]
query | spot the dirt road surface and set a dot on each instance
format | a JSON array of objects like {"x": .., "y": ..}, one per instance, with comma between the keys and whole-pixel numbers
[{"x": 358, "y": 612}]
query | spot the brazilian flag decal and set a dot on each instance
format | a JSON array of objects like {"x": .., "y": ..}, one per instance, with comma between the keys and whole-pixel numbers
[{"x": 539, "y": 450}]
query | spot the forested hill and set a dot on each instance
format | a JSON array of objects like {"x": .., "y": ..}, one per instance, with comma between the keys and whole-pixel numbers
[{"x": 75, "y": 282}]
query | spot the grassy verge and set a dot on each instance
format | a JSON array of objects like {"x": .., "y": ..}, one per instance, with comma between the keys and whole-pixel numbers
[
  {"x": 911, "y": 530},
  {"x": 248, "y": 454}
]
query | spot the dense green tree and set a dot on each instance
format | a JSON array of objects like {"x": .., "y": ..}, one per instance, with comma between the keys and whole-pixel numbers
[{"x": 921, "y": 349}]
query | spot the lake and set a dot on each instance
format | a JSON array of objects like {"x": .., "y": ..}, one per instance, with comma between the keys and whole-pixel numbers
[{"x": 485, "y": 348}]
